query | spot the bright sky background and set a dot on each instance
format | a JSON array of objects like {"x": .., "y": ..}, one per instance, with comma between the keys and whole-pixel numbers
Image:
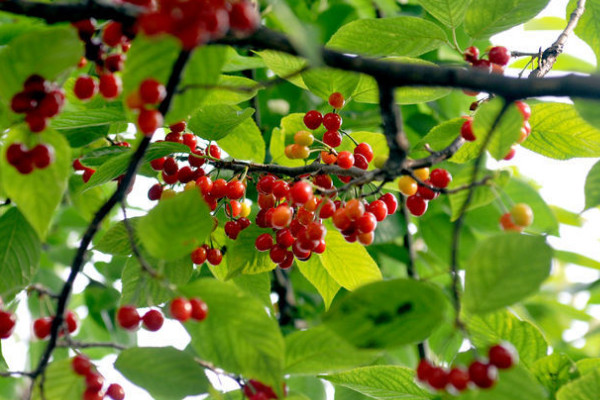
[{"x": 561, "y": 183}]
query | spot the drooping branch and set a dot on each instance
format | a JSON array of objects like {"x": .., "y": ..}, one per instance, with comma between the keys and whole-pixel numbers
[
  {"x": 550, "y": 55},
  {"x": 118, "y": 196}
]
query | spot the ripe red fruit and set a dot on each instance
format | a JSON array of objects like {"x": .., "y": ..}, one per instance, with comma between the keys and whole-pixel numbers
[
  {"x": 425, "y": 192},
  {"x": 42, "y": 155},
  {"x": 391, "y": 202},
  {"x": 333, "y": 139},
  {"x": 205, "y": 184},
  {"x": 219, "y": 189},
  {"x": 378, "y": 209},
  {"x": 323, "y": 181},
  {"x": 278, "y": 254},
  {"x": 199, "y": 309},
  {"x": 365, "y": 149},
  {"x": 440, "y": 178},
  {"x": 185, "y": 174},
  {"x": 282, "y": 216},
  {"x": 110, "y": 86},
  {"x": 502, "y": 356},
  {"x": 153, "y": 320},
  {"x": 71, "y": 321},
  {"x": 85, "y": 87},
  {"x": 360, "y": 161},
  {"x": 499, "y": 55},
  {"x": 178, "y": 127},
  {"x": 155, "y": 192},
  {"x": 232, "y": 229},
  {"x": 214, "y": 256},
  {"x": 345, "y": 159},
  {"x": 281, "y": 189},
  {"x": 313, "y": 119},
  {"x": 367, "y": 223},
  {"x": 263, "y": 242},
  {"x": 244, "y": 17},
  {"x": 181, "y": 309},
  {"x": 51, "y": 104},
  {"x": 214, "y": 151},
  {"x": 265, "y": 184},
  {"x": 235, "y": 189},
  {"x": 152, "y": 91},
  {"x": 466, "y": 130},
  {"x": 458, "y": 378},
  {"x": 482, "y": 375},
  {"x": 328, "y": 158},
  {"x": 511, "y": 154},
  {"x": 94, "y": 381},
  {"x": 416, "y": 205},
  {"x": 424, "y": 370},
  {"x": 85, "y": 28},
  {"x": 524, "y": 109},
  {"x": 112, "y": 34},
  {"x": 115, "y": 392},
  {"x": 128, "y": 317},
  {"x": 189, "y": 139},
  {"x": 90, "y": 394},
  {"x": 36, "y": 122},
  {"x": 81, "y": 365},
  {"x": 87, "y": 174},
  {"x": 354, "y": 209},
  {"x": 41, "y": 327},
  {"x": 471, "y": 54},
  {"x": 332, "y": 121},
  {"x": 484, "y": 65},
  {"x": 336, "y": 100},
  {"x": 114, "y": 62},
  {"x": 158, "y": 164},
  {"x": 149, "y": 121},
  {"x": 15, "y": 153},
  {"x": 301, "y": 192},
  {"x": 284, "y": 238},
  {"x": 198, "y": 256},
  {"x": 438, "y": 378},
  {"x": 341, "y": 220},
  {"x": 196, "y": 161}
]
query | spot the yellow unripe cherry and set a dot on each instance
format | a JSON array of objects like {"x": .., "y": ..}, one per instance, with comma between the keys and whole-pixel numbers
[
  {"x": 245, "y": 209},
  {"x": 167, "y": 194},
  {"x": 422, "y": 173},
  {"x": 304, "y": 138},
  {"x": 190, "y": 185},
  {"x": 407, "y": 185},
  {"x": 522, "y": 214}
]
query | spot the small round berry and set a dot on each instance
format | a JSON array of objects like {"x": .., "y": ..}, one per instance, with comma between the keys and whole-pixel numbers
[
  {"x": 232, "y": 229},
  {"x": 304, "y": 138},
  {"x": 149, "y": 121},
  {"x": 155, "y": 192},
  {"x": 282, "y": 217},
  {"x": 345, "y": 159},
  {"x": 484, "y": 65},
  {"x": 511, "y": 154},
  {"x": 81, "y": 365},
  {"x": 416, "y": 205},
  {"x": 219, "y": 189},
  {"x": 365, "y": 149},
  {"x": 366, "y": 224},
  {"x": 90, "y": 394},
  {"x": 522, "y": 215},
  {"x": 85, "y": 87},
  {"x": 332, "y": 121},
  {"x": 153, "y": 320},
  {"x": 337, "y": 101},
  {"x": 36, "y": 122},
  {"x": 284, "y": 238},
  {"x": 440, "y": 178},
  {"x": 424, "y": 370},
  {"x": 178, "y": 127},
  {"x": 300, "y": 192},
  {"x": 426, "y": 193},
  {"x": 341, "y": 220},
  {"x": 42, "y": 155},
  {"x": 214, "y": 256},
  {"x": 205, "y": 184},
  {"x": 360, "y": 161},
  {"x": 110, "y": 86},
  {"x": 332, "y": 138},
  {"x": 378, "y": 209},
  {"x": 313, "y": 119},
  {"x": 112, "y": 34},
  {"x": 235, "y": 189},
  {"x": 354, "y": 209},
  {"x": 71, "y": 321},
  {"x": 128, "y": 318},
  {"x": 407, "y": 185},
  {"x": 422, "y": 174},
  {"x": 502, "y": 356},
  {"x": 15, "y": 153},
  {"x": 199, "y": 256},
  {"x": 115, "y": 392},
  {"x": 482, "y": 375},
  {"x": 458, "y": 378},
  {"x": 199, "y": 309},
  {"x": 181, "y": 309},
  {"x": 278, "y": 254},
  {"x": 152, "y": 91},
  {"x": 438, "y": 378},
  {"x": 214, "y": 151},
  {"x": 471, "y": 54},
  {"x": 264, "y": 242},
  {"x": 244, "y": 17},
  {"x": 41, "y": 327},
  {"x": 391, "y": 202},
  {"x": 114, "y": 62},
  {"x": 466, "y": 130},
  {"x": 499, "y": 55},
  {"x": 524, "y": 109},
  {"x": 94, "y": 381}
]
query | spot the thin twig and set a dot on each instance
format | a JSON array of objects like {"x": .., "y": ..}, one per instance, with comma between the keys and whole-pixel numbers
[
  {"x": 88, "y": 345},
  {"x": 134, "y": 247}
]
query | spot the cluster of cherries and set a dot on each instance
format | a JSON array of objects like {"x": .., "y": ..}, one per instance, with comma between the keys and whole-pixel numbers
[
  {"x": 94, "y": 381},
  {"x": 25, "y": 160},
  {"x": 419, "y": 193},
  {"x": 197, "y": 22},
  {"x": 518, "y": 218},
  {"x": 181, "y": 309},
  {"x": 213, "y": 255},
  {"x": 39, "y": 100},
  {"x": 480, "y": 373},
  {"x": 43, "y": 325},
  {"x": 255, "y": 390}
]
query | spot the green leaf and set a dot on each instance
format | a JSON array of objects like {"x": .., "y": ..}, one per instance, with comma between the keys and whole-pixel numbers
[
  {"x": 554, "y": 371},
  {"x": 324, "y": 81},
  {"x": 61, "y": 383},
  {"x": 142, "y": 290},
  {"x": 230, "y": 90},
  {"x": 577, "y": 259},
  {"x": 557, "y": 131},
  {"x": 377, "y": 315},
  {"x": 349, "y": 264},
  {"x": 544, "y": 220},
  {"x": 245, "y": 142},
  {"x": 368, "y": 92},
  {"x": 585, "y": 388},
  {"x": 19, "y": 251},
  {"x": 284, "y": 65},
  {"x": 49, "y": 52},
  {"x": 566, "y": 62},
  {"x": 486, "y": 17},
  {"x": 588, "y": 109},
  {"x": 238, "y": 335},
  {"x": 236, "y": 62},
  {"x": 39, "y": 193},
  {"x": 96, "y": 158},
  {"x": 319, "y": 350},
  {"x": 587, "y": 365},
  {"x": 404, "y": 36},
  {"x": 504, "y": 269},
  {"x": 449, "y": 12},
  {"x": 592, "y": 187},
  {"x": 440, "y": 137},
  {"x": 545, "y": 24},
  {"x": 515, "y": 380},
  {"x": 164, "y": 372},
  {"x": 314, "y": 271},
  {"x": 490, "y": 329},
  {"x": 382, "y": 382},
  {"x": 216, "y": 122},
  {"x": 88, "y": 118},
  {"x": 175, "y": 226},
  {"x": 437, "y": 231},
  {"x": 588, "y": 28},
  {"x": 242, "y": 256}
]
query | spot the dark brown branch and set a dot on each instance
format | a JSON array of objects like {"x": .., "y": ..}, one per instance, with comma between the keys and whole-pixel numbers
[
  {"x": 118, "y": 196},
  {"x": 549, "y": 56},
  {"x": 392, "y": 127},
  {"x": 72, "y": 12}
]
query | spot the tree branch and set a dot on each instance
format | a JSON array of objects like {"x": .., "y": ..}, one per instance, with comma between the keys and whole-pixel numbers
[
  {"x": 392, "y": 127},
  {"x": 72, "y": 12},
  {"x": 550, "y": 55},
  {"x": 88, "y": 345}
]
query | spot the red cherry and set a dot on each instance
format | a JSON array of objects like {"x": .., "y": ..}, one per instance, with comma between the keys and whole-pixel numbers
[
  {"x": 458, "y": 378},
  {"x": 41, "y": 327},
  {"x": 214, "y": 151},
  {"x": 499, "y": 55},
  {"x": 181, "y": 309},
  {"x": 287, "y": 261},
  {"x": 391, "y": 202},
  {"x": 149, "y": 121},
  {"x": 424, "y": 370},
  {"x": 199, "y": 256},
  {"x": 466, "y": 130},
  {"x": 110, "y": 86},
  {"x": 51, "y": 104},
  {"x": 265, "y": 184},
  {"x": 332, "y": 121},
  {"x": 367, "y": 223},
  {"x": 199, "y": 309},
  {"x": 128, "y": 318},
  {"x": 244, "y": 222},
  {"x": 264, "y": 242},
  {"x": 90, "y": 394},
  {"x": 366, "y": 238},
  {"x": 205, "y": 184},
  {"x": 81, "y": 365},
  {"x": 360, "y": 161},
  {"x": 378, "y": 209},
  {"x": 313, "y": 119},
  {"x": 196, "y": 161},
  {"x": 85, "y": 87},
  {"x": 301, "y": 192},
  {"x": 438, "y": 378},
  {"x": 232, "y": 229},
  {"x": 235, "y": 189},
  {"x": 112, "y": 34},
  {"x": 366, "y": 150},
  {"x": 336, "y": 100},
  {"x": 71, "y": 320},
  {"x": 155, "y": 192},
  {"x": 219, "y": 189},
  {"x": 170, "y": 166},
  {"x": 320, "y": 249},
  {"x": 189, "y": 139},
  {"x": 484, "y": 65},
  {"x": 214, "y": 256},
  {"x": 114, "y": 62},
  {"x": 502, "y": 356},
  {"x": 15, "y": 153},
  {"x": 278, "y": 254},
  {"x": 152, "y": 91},
  {"x": 94, "y": 381},
  {"x": 282, "y": 216},
  {"x": 243, "y": 17},
  {"x": 23, "y": 103},
  {"x": 281, "y": 189},
  {"x": 416, "y": 205},
  {"x": 284, "y": 238},
  {"x": 36, "y": 122},
  {"x": 178, "y": 127},
  {"x": 341, "y": 220},
  {"x": 471, "y": 54},
  {"x": 323, "y": 181},
  {"x": 185, "y": 174},
  {"x": 86, "y": 28},
  {"x": 482, "y": 375},
  {"x": 345, "y": 159},
  {"x": 425, "y": 192},
  {"x": 115, "y": 392},
  {"x": 316, "y": 231},
  {"x": 158, "y": 163},
  {"x": 153, "y": 320},
  {"x": 42, "y": 155},
  {"x": 173, "y": 137},
  {"x": 440, "y": 178}
]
